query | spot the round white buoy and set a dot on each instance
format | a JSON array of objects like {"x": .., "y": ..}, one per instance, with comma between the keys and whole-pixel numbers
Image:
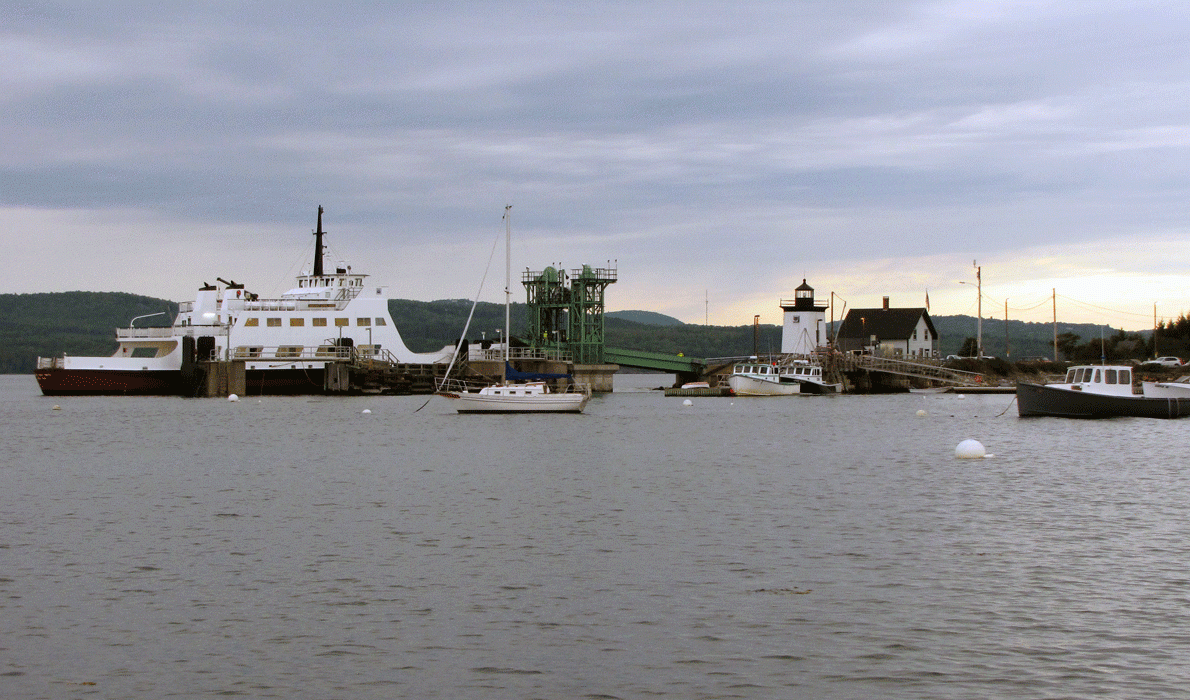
[
  {"x": 232, "y": 397},
  {"x": 962, "y": 396},
  {"x": 366, "y": 410},
  {"x": 921, "y": 412},
  {"x": 970, "y": 449},
  {"x": 57, "y": 407},
  {"x": 687, "y": 402}
]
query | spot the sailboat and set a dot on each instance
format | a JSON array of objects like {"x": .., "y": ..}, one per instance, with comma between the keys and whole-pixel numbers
[{"x": 513, "y": 397}]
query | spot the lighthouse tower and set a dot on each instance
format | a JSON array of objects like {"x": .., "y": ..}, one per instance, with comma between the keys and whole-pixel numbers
[{"x": 805, "y": 322}]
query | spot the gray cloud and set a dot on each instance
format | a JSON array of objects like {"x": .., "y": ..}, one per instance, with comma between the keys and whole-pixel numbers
[{"x": 647, "y": 132}]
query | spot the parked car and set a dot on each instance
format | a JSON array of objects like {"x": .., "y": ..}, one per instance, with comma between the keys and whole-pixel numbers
[{"x": 1166, "y": 362}]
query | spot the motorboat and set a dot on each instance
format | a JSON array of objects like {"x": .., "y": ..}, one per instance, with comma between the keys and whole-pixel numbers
[
  {"x": 1096, "y": 391},
  {"x": 1179, "y": 388},
  {"x": 778, "y": 378},
  {"x": 761, "y": 379},
  {"x": 330, "y": 317},
  {"x": 531, "y": 394}
]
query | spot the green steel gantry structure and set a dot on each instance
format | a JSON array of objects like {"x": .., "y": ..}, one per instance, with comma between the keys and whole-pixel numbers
[{"x": 566, "y": 311}]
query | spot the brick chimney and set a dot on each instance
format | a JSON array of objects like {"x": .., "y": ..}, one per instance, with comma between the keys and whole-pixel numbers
[{"x": 886, "y": 303}]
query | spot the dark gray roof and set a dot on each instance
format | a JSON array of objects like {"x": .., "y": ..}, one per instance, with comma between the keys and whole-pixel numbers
[{"x": 885, "y": 324}]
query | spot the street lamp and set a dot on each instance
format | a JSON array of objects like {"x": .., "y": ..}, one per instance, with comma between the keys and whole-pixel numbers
[{"x": 979, "y": 312}]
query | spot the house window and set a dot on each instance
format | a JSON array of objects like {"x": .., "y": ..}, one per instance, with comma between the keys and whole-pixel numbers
[
  {"x": 252, "y": 321},
  {"x": 274, "y": 322},
  {"x": 915, "y": 334},
  {"x": 297, "y": 321},
  {"x": 318, "y": 322}
]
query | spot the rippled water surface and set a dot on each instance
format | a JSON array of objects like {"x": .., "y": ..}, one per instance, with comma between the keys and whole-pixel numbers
[{"x": 752, "y": 548}]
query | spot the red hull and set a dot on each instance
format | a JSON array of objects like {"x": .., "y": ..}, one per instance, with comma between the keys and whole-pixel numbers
[
  {"x": 97, "y": 382},
  {"x": 103, "y": 382}
]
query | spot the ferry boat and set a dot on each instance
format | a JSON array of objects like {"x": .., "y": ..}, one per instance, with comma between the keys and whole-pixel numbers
[
  {"x": 1096, "y": 391},
  {"x": 286, "y": 343}
]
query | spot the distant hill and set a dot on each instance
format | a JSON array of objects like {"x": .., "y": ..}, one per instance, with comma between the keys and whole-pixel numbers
[
  {"x": 648, "y": 318},
  {"x": 84, "y": 323}
]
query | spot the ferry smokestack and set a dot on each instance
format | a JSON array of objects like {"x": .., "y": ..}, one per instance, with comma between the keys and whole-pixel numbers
[
  {"x": 885, "y": 299},
  {"x": 318, "y": 245}
]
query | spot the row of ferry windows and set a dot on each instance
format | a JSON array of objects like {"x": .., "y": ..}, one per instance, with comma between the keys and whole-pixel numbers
[{"x": 317, "y": 321}]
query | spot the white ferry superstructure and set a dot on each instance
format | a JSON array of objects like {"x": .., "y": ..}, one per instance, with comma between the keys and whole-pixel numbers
[{"x": 285, "y": 343}]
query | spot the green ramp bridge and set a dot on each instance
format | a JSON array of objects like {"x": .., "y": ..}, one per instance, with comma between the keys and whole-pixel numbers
[{"x": 687, "y": 368}]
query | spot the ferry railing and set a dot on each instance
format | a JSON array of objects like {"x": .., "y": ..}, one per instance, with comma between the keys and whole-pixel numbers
[{"x": 159, "y": 332}]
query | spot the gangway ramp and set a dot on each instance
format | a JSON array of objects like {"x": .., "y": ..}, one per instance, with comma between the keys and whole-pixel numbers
[
  {"x": 921, "y": 370},
  {"x": 662, "y": 362}
]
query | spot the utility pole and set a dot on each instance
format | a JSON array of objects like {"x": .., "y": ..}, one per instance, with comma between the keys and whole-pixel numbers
[
  {"x": 1007, "y": 352},
  {"x": 979, "y": 310},
  {"x": 1155, "y": 330},
  {"x": 1055, "y": 324}
]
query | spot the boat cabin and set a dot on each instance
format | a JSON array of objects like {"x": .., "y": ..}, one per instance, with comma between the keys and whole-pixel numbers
[{"x": 1100, "y": 379}]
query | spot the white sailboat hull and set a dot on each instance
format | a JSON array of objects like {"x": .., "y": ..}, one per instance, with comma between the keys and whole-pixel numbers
[{"x": 517, "y": 398}]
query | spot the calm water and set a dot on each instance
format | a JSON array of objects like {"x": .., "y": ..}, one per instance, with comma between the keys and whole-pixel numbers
[{"x": 805, "y": 547}]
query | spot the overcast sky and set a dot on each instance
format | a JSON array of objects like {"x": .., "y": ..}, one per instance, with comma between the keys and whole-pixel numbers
[{"x": 716, "y": 153}]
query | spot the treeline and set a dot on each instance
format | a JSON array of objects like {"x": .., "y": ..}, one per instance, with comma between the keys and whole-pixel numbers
[
  {"x": 77, "y": 323},
  {"x": 83, "y": 323},
  {"x": 428, "y": 325}
]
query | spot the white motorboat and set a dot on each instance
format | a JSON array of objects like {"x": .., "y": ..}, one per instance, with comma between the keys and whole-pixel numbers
[
  {"x": 755, "y": 378},
  {"x": 762, "y": 379},
  {"x": 285, "y": 343},
  {"x": 1179, "y": 388},
  {"x": 1096, "y": 391},
  {"x": 534, "y": 396}
]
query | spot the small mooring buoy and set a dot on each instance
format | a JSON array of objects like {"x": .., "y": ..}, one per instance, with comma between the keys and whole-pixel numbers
[
  {"x": 970, "y": 449},
  {"x": 233, "y": 397},
  {"x": 57, "y": 407},
  {"x": 366, "y": 410},
  {"x": 687, "y": 402},
  {"x": 921, "y": 412}
]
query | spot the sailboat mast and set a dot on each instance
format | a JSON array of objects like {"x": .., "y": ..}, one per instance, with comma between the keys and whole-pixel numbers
[{"x": 507, "y": 291}]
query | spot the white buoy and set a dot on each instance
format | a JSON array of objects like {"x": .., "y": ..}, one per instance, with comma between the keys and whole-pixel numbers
[
  {"x": 687, "y": 402},
  {"x": 970, "y": 449},
  {"x": 921, "y": 412},
  {"x": 232, "y": 397},
  {"x": 57, "y": 407},
  {"x": 962, "y": 396},
  {"x": 366, "y": 410}
]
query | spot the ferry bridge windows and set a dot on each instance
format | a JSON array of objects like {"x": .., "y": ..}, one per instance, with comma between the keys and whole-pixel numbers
[
  {"x": 318, "y": 321},
  {"x": 252, "y": 321},
  {"x": 363, "y": 321},
  {"x": 342, "y": 322},
  {"x": 295, "y": 321},
  {"x": 381, "y": 322},
  {"x": 289, "y": 351},
  {"x": 273, "y": 322}
]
